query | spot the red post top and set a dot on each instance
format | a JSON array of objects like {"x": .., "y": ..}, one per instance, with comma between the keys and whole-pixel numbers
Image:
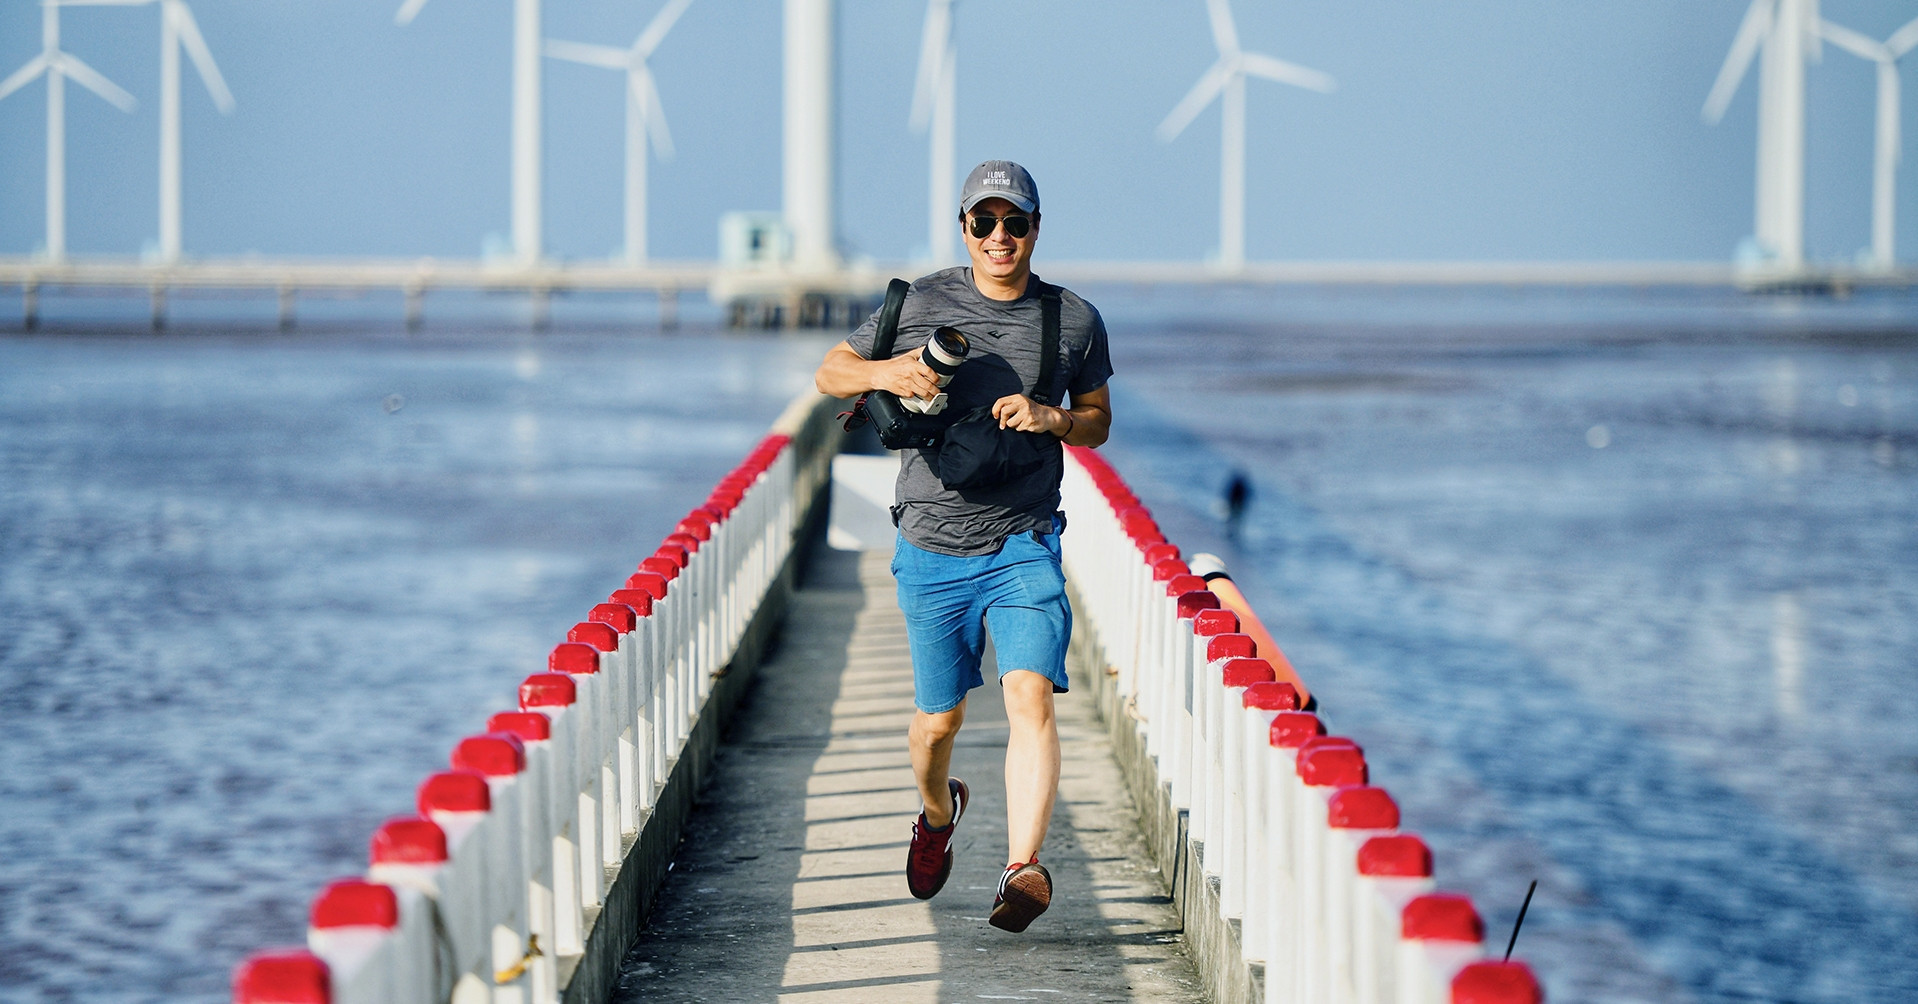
[
  {"x": 574, "y": 658},
  {"x": 1396, "y": 855},
  {"x": 686, "y": 541},
  {"x": 409, "y": 840},
  {"x": 1161, "y": 552},
  {"x": 529, "y": 726},
  {"x": 1441, "y": 916},
  {"x": 494, "y": 754},
  {"x": 1492, "y": 982},
  {"x": 639, "y": 600},
  {"x": 660, "y": 565},
  {"x": 698, "y": 525},
  {"x": 1230, "y": 646},
  {"x": 1193, "y": 603},
  {"x": 1292, "y": 729},
  {"x": 1208, "y": 623},
  {"x": 619, "y": 616},
  {"x": 1166, "y": 569},
  {"x": 1331, "y": 766},
  {"x": 1362, "y": 808},
  {"x": 1247, "y": 672},
  {"x": 547, "y": 690},
  {"x": 355, "y": 903},
  {"x": 723, "y": 501},
  {"x": 1319, "y": 742},
  {"x": 1271, "y": 696},
  {"x": 453, "y": 791},
  {"x": 1179, "y": 585},
  {"x": 286, "y": 976},
  {"x": 651, "y": 583},
  {"x": 601, "y": 636},
  {"x": 1138, "y": 525},
  {"x": 674, "y": 553}
]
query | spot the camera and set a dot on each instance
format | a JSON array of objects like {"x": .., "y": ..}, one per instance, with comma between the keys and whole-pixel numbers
[{"x": 944, "y": 351}]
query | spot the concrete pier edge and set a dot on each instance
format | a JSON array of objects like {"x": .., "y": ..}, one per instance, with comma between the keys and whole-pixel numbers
[{"x": 1213, "y": 942}]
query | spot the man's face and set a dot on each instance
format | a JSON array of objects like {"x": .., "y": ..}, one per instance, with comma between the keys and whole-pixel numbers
[{"x": 998, "y": 253}]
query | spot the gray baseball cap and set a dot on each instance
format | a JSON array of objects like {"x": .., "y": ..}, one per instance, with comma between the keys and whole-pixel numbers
[{"x": 1000, "y": 179}]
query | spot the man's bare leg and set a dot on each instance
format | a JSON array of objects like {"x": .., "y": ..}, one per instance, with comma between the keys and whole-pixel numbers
[
  {"x": 1032, "y": 762},
  {"x": 931, "y": 738}
]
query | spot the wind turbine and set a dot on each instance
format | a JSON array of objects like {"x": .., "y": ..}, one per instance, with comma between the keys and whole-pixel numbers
[
  {"x": 178, "y": 31},
  {"x": 644, "y": 116},
  {"x": 1887, "y": 153},
  {"x": 1788, "y": 32},
  {"x": 58, "y": 66},
  {"x": 933, "y": 96},
  {"x": 526, "y": 140},
  {"x": 1226, "y": 81}
]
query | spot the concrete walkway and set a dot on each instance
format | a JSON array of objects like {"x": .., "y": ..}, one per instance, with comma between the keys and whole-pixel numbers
[{"x": 790, "y": 884}]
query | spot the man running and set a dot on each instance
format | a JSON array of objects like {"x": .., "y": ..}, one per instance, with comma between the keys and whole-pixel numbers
[{"x": 974, "y": 560}]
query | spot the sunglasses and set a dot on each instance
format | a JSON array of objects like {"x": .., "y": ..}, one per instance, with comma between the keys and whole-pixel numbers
[{"x": 982, "y": 226}]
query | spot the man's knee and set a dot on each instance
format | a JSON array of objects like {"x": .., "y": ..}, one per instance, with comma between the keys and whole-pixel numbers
[
  {"x": 937, "y": 729},
  {"x": 1028, "y": 695}
]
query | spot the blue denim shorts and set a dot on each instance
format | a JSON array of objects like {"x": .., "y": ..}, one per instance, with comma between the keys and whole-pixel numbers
[{"x": 1018, "y": 593}]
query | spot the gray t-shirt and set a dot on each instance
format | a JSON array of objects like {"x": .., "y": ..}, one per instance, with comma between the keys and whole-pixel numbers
[{"x": 1005, "y": 337}]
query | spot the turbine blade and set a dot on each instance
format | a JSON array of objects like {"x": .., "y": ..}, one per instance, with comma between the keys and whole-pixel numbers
[
  {"x": 1814, "y": 47},
  {"x": 662, "y": 23},
  {"x": 589, "y": 54},
  {"x": 1225, "y": 34},
  {"x": 24, "y": 75},
  {"x": 407, "y": 12},
  {"x": 1902, "y": 40},
  {"x": 1751, "y": 31},
  {"x": 647, "y": 90},
  {"x": 91, "y": 79},
  {"x": 1195, "y": 101},
  {"x": 935, "y": 45},
  {"x": 1265, "y": 66},
  {"x": 195, "y": 47},
  {"x": 1856, "y": 43}
]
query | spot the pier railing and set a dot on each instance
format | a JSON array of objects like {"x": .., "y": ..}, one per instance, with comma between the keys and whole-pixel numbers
[
  {"x": 1290, "y": 869},
  {"x": 532, "y": 857}
]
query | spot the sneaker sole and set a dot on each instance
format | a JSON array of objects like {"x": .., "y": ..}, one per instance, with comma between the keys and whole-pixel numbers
[{"x": 1027, "y": 895}]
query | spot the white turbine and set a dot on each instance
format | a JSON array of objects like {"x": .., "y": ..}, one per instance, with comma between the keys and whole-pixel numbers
[
  {"x": 526, "y": 122},
  {"x": 1788, "y": 32},
  {"x": 1887, "y": 152},
  {"x": 1226, "y": 81},
  {"x": 644, "y": 116},
  {"x": 58, "y": 66},
  {"x": 178, "y": 31},
  {"x": 933, "y": 95}
]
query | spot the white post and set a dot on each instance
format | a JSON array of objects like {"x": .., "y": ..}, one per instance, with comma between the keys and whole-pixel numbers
[
  {"x": 942, "y": 200},
  {"x": 635, "y": 176},
  {"x": 56, "y": 136},
  {"x": 170, "y": 131},
  {"x": 526, "y": 131},
  {"x": 1232, "y": 173},
  {"x": 809, "y": 132}
]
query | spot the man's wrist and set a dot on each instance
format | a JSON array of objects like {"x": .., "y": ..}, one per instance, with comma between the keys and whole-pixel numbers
[{"x": 1070, "y": 422}]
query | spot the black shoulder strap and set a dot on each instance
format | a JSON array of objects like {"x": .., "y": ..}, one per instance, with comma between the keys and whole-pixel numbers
[
  {"x": 1048, "y": 343},
  {"x": 888, "y": 328}
]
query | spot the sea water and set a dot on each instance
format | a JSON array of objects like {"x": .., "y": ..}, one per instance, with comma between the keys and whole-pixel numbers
[{"x": 1617, "y": 590}]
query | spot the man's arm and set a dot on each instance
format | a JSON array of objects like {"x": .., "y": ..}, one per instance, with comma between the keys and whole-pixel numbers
[
  {"x": 845, "y": 373},
  {"x": 1086, "y": 423}
]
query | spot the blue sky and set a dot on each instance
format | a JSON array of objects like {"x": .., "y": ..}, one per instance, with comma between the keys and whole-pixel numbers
[{"x": 1467, "y": 129}]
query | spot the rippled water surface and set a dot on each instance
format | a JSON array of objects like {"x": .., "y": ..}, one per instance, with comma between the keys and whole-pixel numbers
[{"x": 1618, "y": 590}]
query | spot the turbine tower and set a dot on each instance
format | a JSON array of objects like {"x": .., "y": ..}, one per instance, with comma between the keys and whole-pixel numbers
[
  {"x": 58, "y": 66},
  {"x": 933, "y": 95},
  {"x": 808, "y": 139},
  {"x": 644, "y": 116},
  {"x": 526, "y": 122},
  {"x": 178, "y": 31},
  {"x": 1887, "y": 151},
  {"x": 1226, "y": 81},
  {"x": 1787, "y": 31}
]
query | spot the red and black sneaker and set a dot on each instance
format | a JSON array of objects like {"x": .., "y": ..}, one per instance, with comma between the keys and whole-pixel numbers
[
  {"x": 1024, "y": 893},
  {"x": 929, "y": 860}
]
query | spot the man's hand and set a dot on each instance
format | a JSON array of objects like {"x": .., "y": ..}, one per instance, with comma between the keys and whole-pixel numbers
[
  {"x": 1021, "y": 413},
  {"x": 906, "y": 376}
]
